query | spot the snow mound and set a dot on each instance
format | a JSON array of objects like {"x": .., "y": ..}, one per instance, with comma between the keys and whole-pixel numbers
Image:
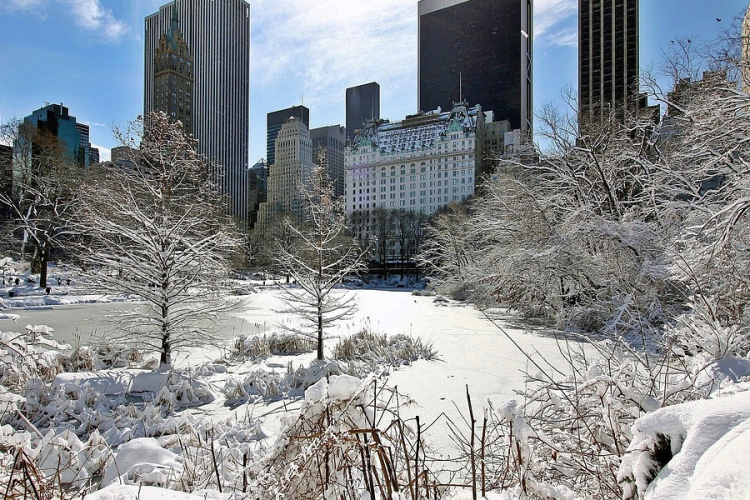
[
  {"x": 108, "y": 382},
  {"x": 128, "y": 492},
  {"x": 692, "y": 450},
  {"x": 343, "y": 387},
  {"x": 143, "y": 461}
]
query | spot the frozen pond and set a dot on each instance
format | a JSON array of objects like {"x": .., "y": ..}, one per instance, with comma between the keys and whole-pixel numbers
[{"x": 473, "y": 351}]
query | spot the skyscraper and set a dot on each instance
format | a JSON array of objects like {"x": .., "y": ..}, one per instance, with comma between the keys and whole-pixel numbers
[
  {"x": 362, "y": 103},
  {"x": 330, "y": 141},
  {"x": 607, "y": 56},
  {"x": 479, "y": 51},
  {"x": 293, "y": 167},
  {"x": 217, "y": 35},
  {"x": 57, "y": 121},
  {"x": 274, "y": 122}
]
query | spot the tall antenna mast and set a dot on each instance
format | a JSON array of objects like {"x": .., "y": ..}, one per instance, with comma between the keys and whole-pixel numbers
[{"x": 460, "y": 87}]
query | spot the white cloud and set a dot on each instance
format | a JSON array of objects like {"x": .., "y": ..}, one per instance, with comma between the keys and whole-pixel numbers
[
  {"x": 552, "y": 22},
  {"x": 90, "y": 15},
  {"x": 34, "y": 7},
  {"x": 328, "y": 45},
  {"x": 105, "y": 154}
]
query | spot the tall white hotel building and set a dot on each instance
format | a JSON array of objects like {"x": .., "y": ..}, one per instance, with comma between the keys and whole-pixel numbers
[
  {"x": 420, "y": 164},
  {"x": 217, "y": 33}
]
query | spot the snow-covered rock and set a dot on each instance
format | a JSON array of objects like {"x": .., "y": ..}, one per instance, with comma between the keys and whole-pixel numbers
[{"x": 343, "y": 387}]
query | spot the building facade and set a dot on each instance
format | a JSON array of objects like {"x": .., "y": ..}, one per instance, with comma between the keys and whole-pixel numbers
[
  {"x": 330, "y": 141},
  {"x": 173, "y": 76},
  {"x": 56, "y": 120},
  {"x": 421, "y": 165},
  {"x": 94, "y": 155},
  {"x": 607, "y": 57},
  {"x": 258, "y": 178},
  {"x": 275, "y": 120},
  {"x": 478, "y": 51},
  {"x": 217, "y": 33},
  {"x": 293, "y": 167},
  {"x": 362, "y": 104}
]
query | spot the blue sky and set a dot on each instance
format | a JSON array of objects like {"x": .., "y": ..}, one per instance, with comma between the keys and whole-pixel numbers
[{"x": 88, "y": 54}]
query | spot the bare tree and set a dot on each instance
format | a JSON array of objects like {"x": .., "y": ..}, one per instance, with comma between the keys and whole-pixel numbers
[
  {"x": 383, "y": 227},
  {"x": 158, "y": 230},
  {"x": 319, "y": 260}
]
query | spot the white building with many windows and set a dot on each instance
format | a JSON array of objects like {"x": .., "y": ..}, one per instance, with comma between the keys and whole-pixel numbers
[{"x": 422, "y": 163}]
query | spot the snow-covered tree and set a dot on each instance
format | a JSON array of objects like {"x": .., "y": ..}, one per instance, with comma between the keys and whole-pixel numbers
[
  {"x": 319, "y": 260},
  {"x": 158, "y": 230},
  {"x": 43, "y": 193}
]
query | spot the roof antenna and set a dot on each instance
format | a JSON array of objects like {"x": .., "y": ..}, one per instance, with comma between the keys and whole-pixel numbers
[{"x": 460, "y": 87}]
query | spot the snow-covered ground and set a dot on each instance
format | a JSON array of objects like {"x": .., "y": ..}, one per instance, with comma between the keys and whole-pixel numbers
[{"x": 485, "y": 356}]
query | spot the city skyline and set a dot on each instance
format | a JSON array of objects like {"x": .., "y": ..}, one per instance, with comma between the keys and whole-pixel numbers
[{"x": 88, "y": 55}]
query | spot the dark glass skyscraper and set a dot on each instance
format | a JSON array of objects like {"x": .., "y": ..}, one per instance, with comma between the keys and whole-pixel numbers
[
  {"x": 478, "y": 51},
  {"x": 607, "y": 56},
  {"x": 362, "y": 103},
  {"x": 274, "y": 121}
]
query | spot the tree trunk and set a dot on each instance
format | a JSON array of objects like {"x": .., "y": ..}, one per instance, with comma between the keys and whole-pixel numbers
[
  {"x": 43, "y": 261},
  {"x": 320, "y": 330}
]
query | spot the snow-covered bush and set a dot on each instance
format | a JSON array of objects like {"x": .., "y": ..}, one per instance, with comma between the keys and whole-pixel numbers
[
  {"x": 570, "y": 433},
  {"x": 347, "y": 441},
  {"x": 373, "y": 349},
  {"x": 25, "y": 357},
  {"x": 277, "y": 344}
]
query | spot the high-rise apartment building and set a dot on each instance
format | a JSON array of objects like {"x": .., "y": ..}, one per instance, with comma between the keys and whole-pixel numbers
[
  {"x": 362, "y": 103},
  {"x": 216, "y": 34},
  {"x": 607, "y": 57},
  {"x": 478, "y": 51},
  {"x": 84, "y": 147},
  {"x": 330, "y": 142},
  {"x": 275, "y": 120},
  {"x": 293, "y": 167}
]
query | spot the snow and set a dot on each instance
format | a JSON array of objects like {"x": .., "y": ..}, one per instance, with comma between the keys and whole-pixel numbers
[
  {"x": 143, "y": 459},
  {"x": 108, "y": 382},
  {"x": 709, "y": 441},
  {"x": 343, "y": 387},
  {"x": 129, "y": 492}
]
